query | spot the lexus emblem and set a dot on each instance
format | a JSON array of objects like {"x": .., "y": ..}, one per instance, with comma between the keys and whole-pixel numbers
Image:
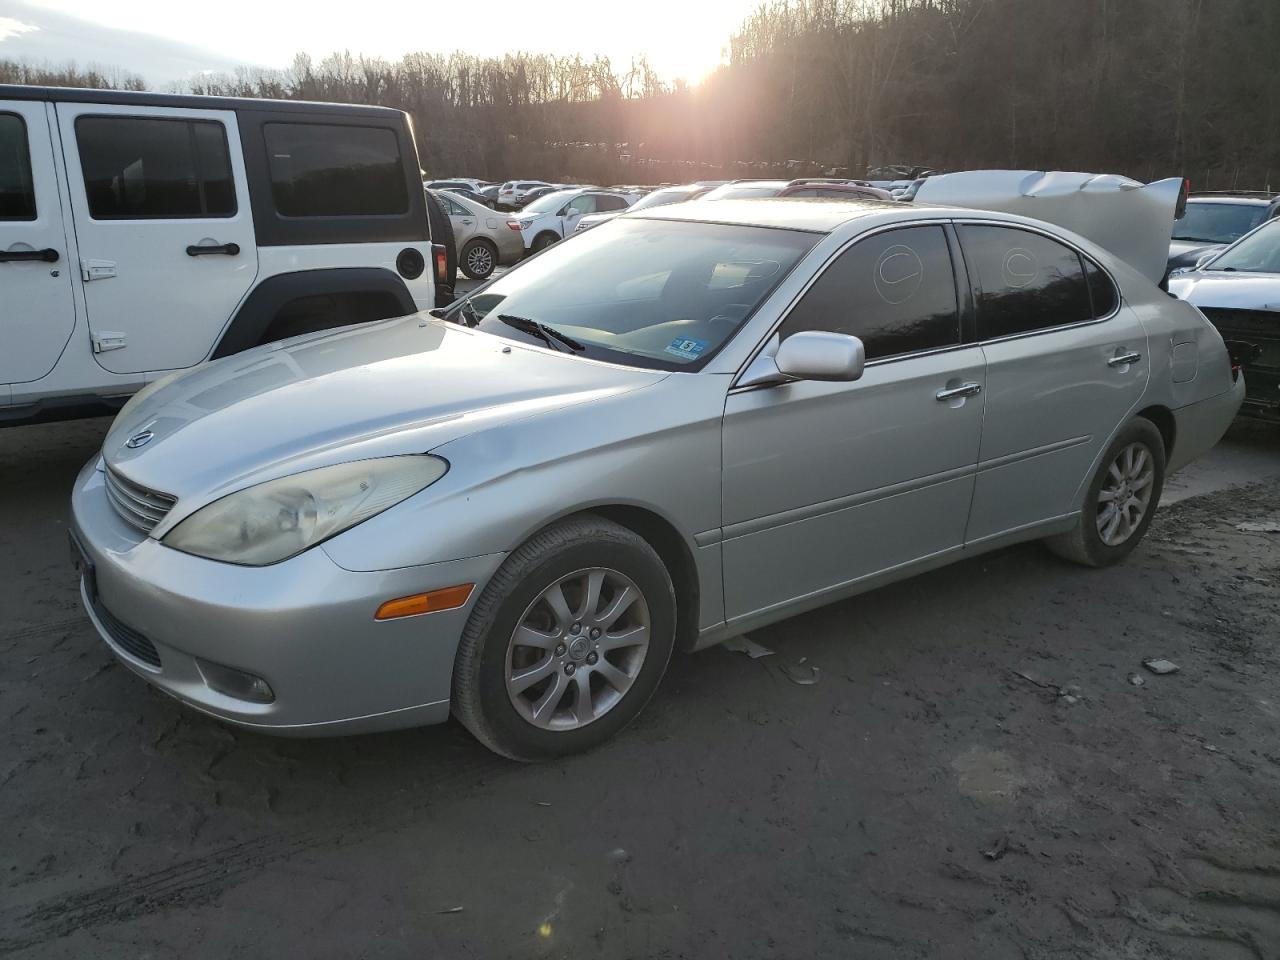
[{"x": 139, "y": 440}]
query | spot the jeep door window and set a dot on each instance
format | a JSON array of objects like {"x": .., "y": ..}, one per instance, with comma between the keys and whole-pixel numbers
[
  {"x": 151, "y": 168},
  {"x": 895, "y": 291},
  {"x": 17, "y": 192},
  {"x": 331, "y": 170},
  {"x": 661, "y": 294},
  {"x": 1026, "y": 282}
]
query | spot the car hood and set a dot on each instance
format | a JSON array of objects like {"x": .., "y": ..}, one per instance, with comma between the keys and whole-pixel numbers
[
  {"x": 1228, "y": 290},
  {"x": 1185, "y": 253},
  {"x": 400, "y": 386}
]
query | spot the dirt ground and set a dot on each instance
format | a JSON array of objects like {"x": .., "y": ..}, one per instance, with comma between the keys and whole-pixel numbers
[{"x": 974, "y": 774}]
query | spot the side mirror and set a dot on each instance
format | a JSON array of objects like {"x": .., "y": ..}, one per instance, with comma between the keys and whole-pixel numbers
[
  {"x": 817, "y": 355},
  {"x": 811, "y": 355}
]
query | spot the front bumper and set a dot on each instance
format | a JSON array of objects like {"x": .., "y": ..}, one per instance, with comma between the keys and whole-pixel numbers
[{"x": 306, "y": 626}]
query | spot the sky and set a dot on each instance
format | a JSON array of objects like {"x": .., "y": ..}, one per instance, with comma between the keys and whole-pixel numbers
[{"x": 681, "y": 38}]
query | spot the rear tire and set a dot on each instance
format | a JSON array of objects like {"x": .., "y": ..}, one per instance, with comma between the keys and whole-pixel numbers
[
  {"x": 522, "y": 667},
  {"x": 1121, "y": 500},
  {"x": 479, "y": 258}
]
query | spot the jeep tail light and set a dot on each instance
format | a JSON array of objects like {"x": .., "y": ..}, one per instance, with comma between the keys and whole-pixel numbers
[{"x": 440, "y": 256}]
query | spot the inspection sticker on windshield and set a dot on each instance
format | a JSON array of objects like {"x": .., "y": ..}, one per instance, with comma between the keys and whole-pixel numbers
[{"x": 686, "y": 348}]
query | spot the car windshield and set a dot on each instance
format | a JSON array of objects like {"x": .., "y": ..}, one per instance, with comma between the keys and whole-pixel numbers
[
  {"x": 660, "y": 198},
  {"x": 649, "y": 293},
  {"x": 549, "y": 203},
  {"x": 1218, "y": 222},
  {"x": 1257, "y": 253}
]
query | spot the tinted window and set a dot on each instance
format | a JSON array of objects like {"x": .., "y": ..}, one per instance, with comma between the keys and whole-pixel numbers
[
  {"x": 151, "y": 168},
  {"x": 610, "y": 203},
  {"x": 1101, "y": 289},
  {"x": 896, "y": 291},
  {"x": 327, "y": 170},
  {"x": 1025, "y": 281},
  {"x": 17, "y": 196}
]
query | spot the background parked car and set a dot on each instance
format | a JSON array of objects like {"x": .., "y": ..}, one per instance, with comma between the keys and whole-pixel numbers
[
  {"x": 471, "y": 195},
  {"x": 556, "y": 215},
  {"x": 836, "y": 189},
  {"x": 1239, "y": 291},
  {"x": 1214, "y": 220},
  {"x": 514, "y": 193},
  {"x": 657, "y": 198},
  {"x": 483, "y": 238}
]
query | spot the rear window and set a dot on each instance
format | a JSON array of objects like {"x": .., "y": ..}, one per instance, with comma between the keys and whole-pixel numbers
[
  {"x": 1217, "y": 222},
  {"x": 17, "y": 196},
  {"x": 329, "y": 170},
  {"x": 144, "y": 168}
]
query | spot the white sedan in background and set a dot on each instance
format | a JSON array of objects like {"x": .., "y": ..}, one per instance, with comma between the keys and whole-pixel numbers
[{"x": 556, "y": 215}]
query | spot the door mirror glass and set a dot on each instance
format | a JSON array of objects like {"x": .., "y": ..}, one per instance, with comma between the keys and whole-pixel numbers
[{"x": 819, "y": 355}]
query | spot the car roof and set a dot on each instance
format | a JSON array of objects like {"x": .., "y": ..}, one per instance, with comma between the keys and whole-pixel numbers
[
  {"x": 147, "y": 99},
  {"x": 800, "y": 213}
]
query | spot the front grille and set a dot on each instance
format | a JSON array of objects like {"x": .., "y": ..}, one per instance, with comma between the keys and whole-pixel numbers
[
  {"x": 137, "y": 505},
  {"x": 125, "y": 637}
]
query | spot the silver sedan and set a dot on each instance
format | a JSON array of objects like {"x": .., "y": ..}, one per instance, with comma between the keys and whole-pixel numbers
[
  {"x": 673, "y": 428},
  {"x": 485, "y": 239}
]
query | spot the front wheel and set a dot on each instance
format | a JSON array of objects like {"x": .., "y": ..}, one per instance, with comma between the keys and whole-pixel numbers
[
  {"x": 1120, "y": 501},
  {"x": 479, "y": 257},
  {"x": 542, "y": 241},
  {"x": 567, "y": 643}
]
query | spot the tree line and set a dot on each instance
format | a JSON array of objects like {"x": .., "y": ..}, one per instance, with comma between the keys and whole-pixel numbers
[{"x": 1148, "y": 88}]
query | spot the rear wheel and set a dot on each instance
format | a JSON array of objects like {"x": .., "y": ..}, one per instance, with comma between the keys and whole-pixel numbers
[
  {"x": 567, "y": 643},
  {"x": 479, "y": 258},
  {"x": 1121, "y": 500}
]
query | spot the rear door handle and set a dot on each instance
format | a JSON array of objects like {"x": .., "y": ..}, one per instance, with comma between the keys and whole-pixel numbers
[
  {"x": 969, "y": 389},
  {"x": 226, "y": 249},
  {"x": 1123, "y": 359},
  {"x": 48, "y": 255}
]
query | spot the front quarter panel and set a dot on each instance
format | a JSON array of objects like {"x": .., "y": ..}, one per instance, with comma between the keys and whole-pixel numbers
[{"x": 657, "y": 448}]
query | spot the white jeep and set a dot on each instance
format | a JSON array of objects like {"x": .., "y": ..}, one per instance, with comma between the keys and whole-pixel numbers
[{"x": 144, "y": 233}]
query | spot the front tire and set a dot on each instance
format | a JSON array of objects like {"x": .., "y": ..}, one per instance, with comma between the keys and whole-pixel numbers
[
  {"x": 1121, "y": 499},
  {"x": 479, "y": 258},
  {"x": 567, "y": 642},
  {"x": 542, "y": 241}
]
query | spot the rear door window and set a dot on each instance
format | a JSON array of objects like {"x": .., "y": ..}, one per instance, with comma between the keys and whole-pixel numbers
[
  {"x": 1025, "y": 281},
  {"x": 17, "y": 192},
  {"x": 606, "y": 204},
  {"x": 896, "y": 291},
  {"x": 331, "y": 170},
  {"x": 155, "y": 168}
]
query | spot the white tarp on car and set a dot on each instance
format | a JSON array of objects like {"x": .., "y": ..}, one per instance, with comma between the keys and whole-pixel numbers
[{"x": 1133, "y": 220}]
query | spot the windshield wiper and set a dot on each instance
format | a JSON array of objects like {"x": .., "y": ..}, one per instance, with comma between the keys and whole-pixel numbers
[{"x": 548, "y": 335}]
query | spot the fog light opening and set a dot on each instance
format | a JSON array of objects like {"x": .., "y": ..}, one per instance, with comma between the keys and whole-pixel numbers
[
  {"x": 235, "y": 683},
  {"x": 447, "y": 598}
]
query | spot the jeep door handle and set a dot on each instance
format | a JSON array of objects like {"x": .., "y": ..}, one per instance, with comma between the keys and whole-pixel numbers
[
  {"x": 1124, "y": 359},
  {"x": 969, "y": 389},
  {"x": 226, "y": 249},
  {"x": 48, "y": 255}
]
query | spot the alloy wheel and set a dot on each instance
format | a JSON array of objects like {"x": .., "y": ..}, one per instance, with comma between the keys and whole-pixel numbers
[
  {"x": 479, "y": 261},
  {"x": 1125, "y": 494},
  {"x": 577, "y": 649}
]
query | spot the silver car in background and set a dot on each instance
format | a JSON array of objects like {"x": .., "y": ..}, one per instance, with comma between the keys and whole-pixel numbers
[
  {"x": 661, "y": 197},
  {"x": 685, "y": 424},
  {"x": 485, "y": 239}
]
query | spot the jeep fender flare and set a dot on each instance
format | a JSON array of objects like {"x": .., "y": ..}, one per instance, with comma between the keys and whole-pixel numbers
[{"x": 267, "y": 299}]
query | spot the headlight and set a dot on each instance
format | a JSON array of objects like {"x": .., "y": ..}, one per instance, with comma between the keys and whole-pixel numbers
[{"x": 278, "y": 519}]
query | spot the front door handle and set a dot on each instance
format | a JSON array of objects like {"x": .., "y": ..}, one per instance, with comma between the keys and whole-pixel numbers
[
  {"x": 226, "y": 249},
  {"x": 48, "y": 255},
  {"x": 1124, "y": 359},
  {"x": 969, "y": 389}
]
